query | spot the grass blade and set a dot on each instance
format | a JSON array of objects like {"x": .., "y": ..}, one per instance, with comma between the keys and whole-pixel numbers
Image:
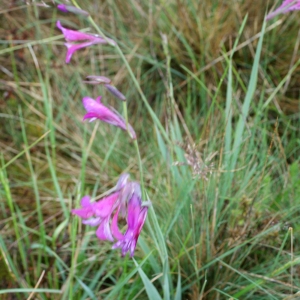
[{"x": 150, "y": 288}]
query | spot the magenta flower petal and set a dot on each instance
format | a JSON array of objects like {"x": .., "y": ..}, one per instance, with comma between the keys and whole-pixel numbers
[
  {"x": 75, "y": 36},
  {"x": 98, "y": 99},
  {"x": 92, "y": 221},
  {"x": 74, "y": 47},
  {"x": 103, "y": 232},
  {"x": 100, "y": 209},
  {"x": 122, "y": 122},
  {"x": 136, "y": 217},
  {"x": 86, "y": 211},
  {"x": 83, "y": 212},
  {"x": 62, "y": 7},
  {"x": 124, "y": 198},
  {"x": 92, "y": 116},
  {"x": 115, "y": 228},
  {"x": 285, "y": 7},
  {"x": 104, "y": 207},
  {"x": 95, "y": 109},
  {"x": 86, "y": 201},
  {"x": 92, "y": 105},
  {"x": 129, "y": 241}
]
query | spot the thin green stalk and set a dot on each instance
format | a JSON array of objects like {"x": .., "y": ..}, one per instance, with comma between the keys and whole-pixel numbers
[
  {"x": 47, "y": 104},
  {"x": 83, "y": 162},
  {"x": 125, "y": 114},
  {"x": 141, "y": 169},
  {"x": 74, "y": 244},
  {"x": 36, "y": 192},
  {"x": 125, "y": 271},
  {"x": 10, "y": 202},
  {"x": 25, "y": 149},
  {"x": 49, "y": 41},
  {"x": 137, "y": 151},
  {"x": 55, "y": 180}
]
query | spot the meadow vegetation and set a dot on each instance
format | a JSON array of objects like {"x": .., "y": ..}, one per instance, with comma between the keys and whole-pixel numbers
[{"x": 220, "y": 161}]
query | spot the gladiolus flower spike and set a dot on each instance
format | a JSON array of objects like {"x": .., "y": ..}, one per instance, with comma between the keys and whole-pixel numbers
[
  {"x": 75, "y": 36},
  {"x": 126, "y": 200},
  {"x": 96, "y": 110},
  {"x": 285, "y": 7}
]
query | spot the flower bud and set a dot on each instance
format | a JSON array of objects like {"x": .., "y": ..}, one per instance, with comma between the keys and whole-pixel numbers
[{"x": 72, "y": 9}]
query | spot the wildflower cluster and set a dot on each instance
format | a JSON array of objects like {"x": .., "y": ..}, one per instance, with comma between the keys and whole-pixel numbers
[{"x": 124, "y": 200}]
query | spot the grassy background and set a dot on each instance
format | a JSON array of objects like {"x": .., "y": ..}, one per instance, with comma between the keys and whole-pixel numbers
[{"x": 224, "y": 87}]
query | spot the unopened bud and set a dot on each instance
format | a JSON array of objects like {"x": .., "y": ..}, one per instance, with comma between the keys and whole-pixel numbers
[
  {"x": 93, "y": 79},
  {"x": 113, "y": 90},
  {"x": 72, "y": 9}
]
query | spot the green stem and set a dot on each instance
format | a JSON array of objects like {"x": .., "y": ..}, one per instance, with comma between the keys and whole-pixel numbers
[
  {"x": 126, "y": 115},
  {"x": 141, "y": 169},
  {"x": 137, "y": 151}
]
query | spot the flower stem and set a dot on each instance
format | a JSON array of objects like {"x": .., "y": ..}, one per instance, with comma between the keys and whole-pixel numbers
[
  {"x": 141, "y": 170},
  {"x": 126, "y": 115}
]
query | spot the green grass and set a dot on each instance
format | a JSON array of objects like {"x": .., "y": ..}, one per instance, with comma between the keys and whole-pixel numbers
[{"x": 203, "y": 92}]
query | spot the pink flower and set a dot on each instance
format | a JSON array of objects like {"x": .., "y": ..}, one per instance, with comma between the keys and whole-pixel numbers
[
  {"x": 99, "y": 213},
  {"x": 74, "y": 36},
  {"x": 72, "y": 9},
  {"x": 136, "y": 217},
  {"x": 96, "y": 110},
  {"x": 124, "y": 200},
  {"x": 285, "y": 7}
]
